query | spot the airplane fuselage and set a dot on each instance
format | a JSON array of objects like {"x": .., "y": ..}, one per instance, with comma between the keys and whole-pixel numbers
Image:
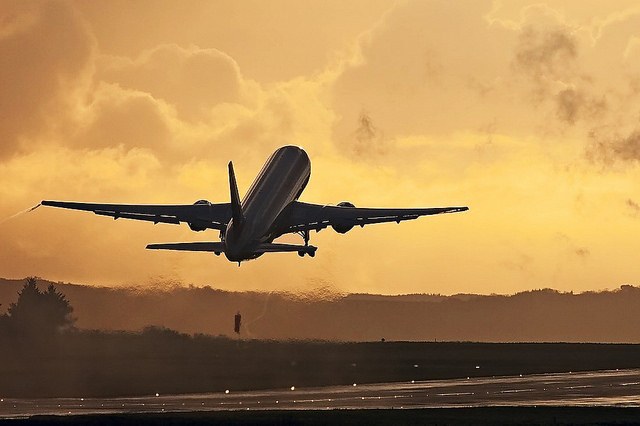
[{"x": 280, "y": 182}]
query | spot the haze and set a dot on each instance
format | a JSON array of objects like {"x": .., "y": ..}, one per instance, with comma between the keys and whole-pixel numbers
[{"x": 525, "y": 111}]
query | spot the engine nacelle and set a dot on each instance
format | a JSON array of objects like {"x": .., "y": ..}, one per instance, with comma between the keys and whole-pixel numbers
[
  {"x": 346, "y": 227},
  {"x": 198, "y": 226}
]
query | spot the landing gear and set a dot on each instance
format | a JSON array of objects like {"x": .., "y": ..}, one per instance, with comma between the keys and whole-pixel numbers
[
  {"x": 311, "y": 251},
  {"x": 305, "y": 236}
]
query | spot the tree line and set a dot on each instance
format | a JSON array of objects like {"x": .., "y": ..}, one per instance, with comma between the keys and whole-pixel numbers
[{"x": 37, "y": 313}]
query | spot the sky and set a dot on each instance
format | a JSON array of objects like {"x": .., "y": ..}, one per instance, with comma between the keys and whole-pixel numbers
[{"x": 527, "y": 112}]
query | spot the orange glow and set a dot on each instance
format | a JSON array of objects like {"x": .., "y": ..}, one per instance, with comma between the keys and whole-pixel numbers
[{"x": 526, "y": 111}]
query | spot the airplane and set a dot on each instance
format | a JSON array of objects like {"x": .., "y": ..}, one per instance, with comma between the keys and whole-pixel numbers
[{"x": 269, "y": 209}]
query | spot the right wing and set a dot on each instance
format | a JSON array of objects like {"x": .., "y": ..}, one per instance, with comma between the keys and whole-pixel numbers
[
  {"x": 305, "y": 216},
  {"x": 200, "y": 216}
]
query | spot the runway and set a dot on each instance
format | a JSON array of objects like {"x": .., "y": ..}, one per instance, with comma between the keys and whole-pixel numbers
[{"x": 619, "y": 388}]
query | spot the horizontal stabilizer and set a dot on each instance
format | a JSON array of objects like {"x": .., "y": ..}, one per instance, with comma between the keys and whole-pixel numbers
[
  {"x": 276, "y": 248},
  {"x": 216, "y": 247}
]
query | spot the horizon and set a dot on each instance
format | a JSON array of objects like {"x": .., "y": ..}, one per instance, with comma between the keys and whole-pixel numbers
[{"x": 309, "y": 292}]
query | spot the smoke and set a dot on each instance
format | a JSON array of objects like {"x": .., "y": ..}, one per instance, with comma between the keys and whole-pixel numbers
[
  {"x": 368, "y": 139},
  {"x": 319, "y": 291},
  {"x": 265, "y": 308},
  {"x": 20, "y": 213},
  {"x": 582, "y": 252},
  {"x": 575, "y": 104},
  {"x": 545, "y": 54},
  {"x": 611, "y": 149}
]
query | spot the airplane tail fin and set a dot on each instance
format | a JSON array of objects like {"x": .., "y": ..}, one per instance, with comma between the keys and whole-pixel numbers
[{"x": 236, "y": 208}]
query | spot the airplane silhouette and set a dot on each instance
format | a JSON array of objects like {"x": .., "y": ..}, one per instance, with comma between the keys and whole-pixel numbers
[{"x": 269, "y": 209}]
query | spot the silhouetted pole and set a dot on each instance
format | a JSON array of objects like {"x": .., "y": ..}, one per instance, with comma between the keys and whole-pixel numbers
[{"x": 238, "y": 319}]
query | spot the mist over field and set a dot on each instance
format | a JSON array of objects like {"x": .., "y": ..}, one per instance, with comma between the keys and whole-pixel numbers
[{"x": 534, "y": 316}]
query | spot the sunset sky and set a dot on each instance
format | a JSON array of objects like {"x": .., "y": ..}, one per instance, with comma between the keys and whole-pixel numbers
[{"x": 526, "y": 111}]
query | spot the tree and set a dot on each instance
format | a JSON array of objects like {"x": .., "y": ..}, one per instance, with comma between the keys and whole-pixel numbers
[{"x": 37, "y": 312}]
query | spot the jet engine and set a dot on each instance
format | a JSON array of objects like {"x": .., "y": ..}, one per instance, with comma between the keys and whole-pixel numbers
[
  {"x": 346, "y": 227},
  {"x": 199, "y": 226}
]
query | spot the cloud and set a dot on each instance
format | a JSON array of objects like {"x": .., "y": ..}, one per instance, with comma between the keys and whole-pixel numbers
[
  {"x": 45, "y": 55},
  {"x": 124, "y": 118},
  {"x": 193, "y": 79},
  {"x": 432, "y": 105}
]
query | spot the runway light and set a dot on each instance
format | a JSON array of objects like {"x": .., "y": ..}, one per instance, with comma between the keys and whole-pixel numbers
[
  {"x": 477, "y": 366},
  {"x": 277, "y": 402},
  {"x": 413, "y": 381},
  {"x": 415, "y": 365},
  {"x": 293, "y": 388},
  {"x": 157, "y": 394},
  {"x": 227, "y": 391}
]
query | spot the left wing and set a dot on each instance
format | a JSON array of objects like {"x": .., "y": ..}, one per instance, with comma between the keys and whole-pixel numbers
[
  {"x": 200, "y": 216},
  {"x": 305, "y": 216}
]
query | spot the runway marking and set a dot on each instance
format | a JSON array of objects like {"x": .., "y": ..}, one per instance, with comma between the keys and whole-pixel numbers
[
  {"x": 517, "y": 390},
  {"x": 455, "y": 394}
]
